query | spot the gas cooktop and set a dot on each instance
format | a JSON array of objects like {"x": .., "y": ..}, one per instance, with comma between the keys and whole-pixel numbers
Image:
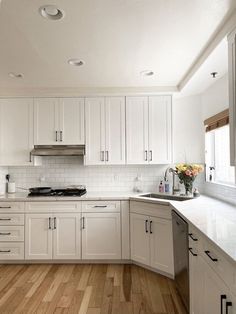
[{"x": 70, "y": 191}]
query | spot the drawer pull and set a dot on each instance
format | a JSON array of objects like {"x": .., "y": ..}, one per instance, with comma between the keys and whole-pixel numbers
[
  {"x": 5, "y": 251},
  {"x": 212, "y": 258},
  {"x": 5, "y": 233},
  {"x": 5, "y": 219},
  {"x": 191, "y": 251},
  {"x": 192, "y": 237},
  {"x": 100, "y": 206},
  {"x": 5, "y": 206}
]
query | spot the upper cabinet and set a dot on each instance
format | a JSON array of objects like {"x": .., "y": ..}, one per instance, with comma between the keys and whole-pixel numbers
[
  {"x": 58, "y": 121},
  {"x": 105, "y": 130},
  {"x": 16, "y": 131},
  {"x": 148, "y": 129},
  {"x": 232, "y": 94}
]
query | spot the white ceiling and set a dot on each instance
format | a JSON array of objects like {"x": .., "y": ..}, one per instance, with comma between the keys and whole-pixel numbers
[{"x": 116, "y": 38}]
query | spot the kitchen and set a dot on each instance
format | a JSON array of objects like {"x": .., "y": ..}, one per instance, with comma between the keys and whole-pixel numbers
[{"x": 117, "y": 157}]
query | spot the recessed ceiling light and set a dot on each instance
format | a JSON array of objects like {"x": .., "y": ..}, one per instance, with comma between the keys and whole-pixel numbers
[
  {"x": 147, "y": 73},
  {"x": 16, "y": 75},
  {"x": 76, "y": 62},
  {"x": 51, "y": 12}
]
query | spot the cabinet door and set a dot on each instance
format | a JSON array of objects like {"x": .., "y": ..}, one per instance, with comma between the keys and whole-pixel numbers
[
  {"x": 95, "y": 131},
  {"x": 140, "y": 239},
  {"x": 115, "y": 130},
  {"x": 137, "y": 130},
  {"x": 16, "y": 131},
  {"x": 196, "y": 283},
  {"x": 72, "y": 121},
  {"x": 66, "y": 236},
  {"x": 46, "y": 121},
  {"x": 101, "y": 236},
  {"x": 161, "y": 245},
  {"x": 214, "y": 289},
  {"x": 160, "y": 143},
  {"x": 38, "y": 236}
]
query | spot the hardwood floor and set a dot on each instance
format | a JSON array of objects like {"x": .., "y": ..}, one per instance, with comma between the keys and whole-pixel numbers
[{"x": 86, "y": 289}]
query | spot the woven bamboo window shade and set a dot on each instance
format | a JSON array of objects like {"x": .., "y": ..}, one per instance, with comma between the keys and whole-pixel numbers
[{"x": 217, "y": 121}]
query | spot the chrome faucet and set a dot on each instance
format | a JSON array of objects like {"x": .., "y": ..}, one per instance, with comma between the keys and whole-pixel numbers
[{"x": 173, "y": 171}]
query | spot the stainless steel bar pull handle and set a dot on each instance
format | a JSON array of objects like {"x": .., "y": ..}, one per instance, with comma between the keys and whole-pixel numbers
[
  {"x": 83, "y": 223},
  {"x": 100, "y": 206},
  {"x": 107, "y": 155},
  {"x": 5, "y": 251},
  {"x": 5, "y": 233},
  {"x": 150, "y": 155},
  {"x": 102, "y": 155},
  {"x": 151, "y": 227},
  {"x": 50, "y": 223},
  {"x": 55, "y": 223},
  {"x": 145, "y": 155},
  {"x": 222, "y": 298},
  {"x": 61, "y": 138},
  {"x": 5, "y": 219}
]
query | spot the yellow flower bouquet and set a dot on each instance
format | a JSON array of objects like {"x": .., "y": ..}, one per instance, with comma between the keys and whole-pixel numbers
[{"x": 187, "y": 173}]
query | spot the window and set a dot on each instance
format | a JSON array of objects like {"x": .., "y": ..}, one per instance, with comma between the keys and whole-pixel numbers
[{"x": 217, "y": 156}]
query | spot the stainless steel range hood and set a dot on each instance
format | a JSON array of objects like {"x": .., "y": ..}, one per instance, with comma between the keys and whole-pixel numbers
[{"x": 58, "y": 150}]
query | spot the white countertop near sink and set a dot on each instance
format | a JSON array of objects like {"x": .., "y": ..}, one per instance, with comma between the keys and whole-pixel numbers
[{"x": 213, "y": 218}]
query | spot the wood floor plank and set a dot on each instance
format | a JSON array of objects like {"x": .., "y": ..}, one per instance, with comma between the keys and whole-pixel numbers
[{"x": 86, "y": 289}]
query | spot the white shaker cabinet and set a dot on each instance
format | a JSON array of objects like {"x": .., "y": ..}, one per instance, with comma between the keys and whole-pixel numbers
[
  {"x": 16, "y": 131},
  {"x": 38, "y": 236},
  {"x": 58, "y": 121},
  {"x": 52, "y": 236},
  {"x": 66, "y": 236},
  {"x": 148, "y": 124},
  {"x": 105, "y": 130},
  {"x": 101, "y": 236}
]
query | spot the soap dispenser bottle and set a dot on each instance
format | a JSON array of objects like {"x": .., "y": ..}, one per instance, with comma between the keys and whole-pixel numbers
[{"x": 161, "y": 187}]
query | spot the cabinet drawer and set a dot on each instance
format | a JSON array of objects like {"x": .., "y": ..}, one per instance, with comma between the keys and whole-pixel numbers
[
  {"x": 11, "y": 219},
  {"x": 11, "y": 250},
  {"x": 218, "y": 262},
  {"x": 59, "y": 206},
  {"x": 100, "y": 206},
  {"x": 12, "y": 207},
  {"x": 149, "y": 209},
  {"x": 11, "y": 233}
]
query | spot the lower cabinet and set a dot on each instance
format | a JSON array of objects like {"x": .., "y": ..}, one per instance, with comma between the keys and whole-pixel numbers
[
  {"x": 151, "y": 242},
  {"x": 54, "y": 236},
  {"x": 101, "y": 236}
]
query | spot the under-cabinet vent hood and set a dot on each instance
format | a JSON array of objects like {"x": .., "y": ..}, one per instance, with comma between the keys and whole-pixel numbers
[{"x": 58, "y": 150}]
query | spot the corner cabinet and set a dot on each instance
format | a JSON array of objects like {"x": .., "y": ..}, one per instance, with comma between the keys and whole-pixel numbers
[
  {"x": 105, "y": 130},
  {"x": 151, "y": 236},
  {"x": 59, "y": 121},
  {"x": 16, "y": 131},
  {"x": 149, "y": 131},
  {"x": 232, "y": 94}
]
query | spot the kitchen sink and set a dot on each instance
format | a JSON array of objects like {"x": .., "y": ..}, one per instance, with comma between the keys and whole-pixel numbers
[{"x": 167, "y": 197}]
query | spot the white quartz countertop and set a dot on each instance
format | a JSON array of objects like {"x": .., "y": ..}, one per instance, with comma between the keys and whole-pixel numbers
[
  {"x": 213, "y": 218},
  {"x": 89, "y": 196}
]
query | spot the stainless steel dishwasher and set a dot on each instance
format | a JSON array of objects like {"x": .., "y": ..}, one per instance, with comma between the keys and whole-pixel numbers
[{"x": 181, "y": 260}]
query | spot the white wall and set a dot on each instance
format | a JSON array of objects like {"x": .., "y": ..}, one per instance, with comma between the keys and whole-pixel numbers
[
  {"x": 215, "y": 99},
  {"x": 188, "y": 130}
]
